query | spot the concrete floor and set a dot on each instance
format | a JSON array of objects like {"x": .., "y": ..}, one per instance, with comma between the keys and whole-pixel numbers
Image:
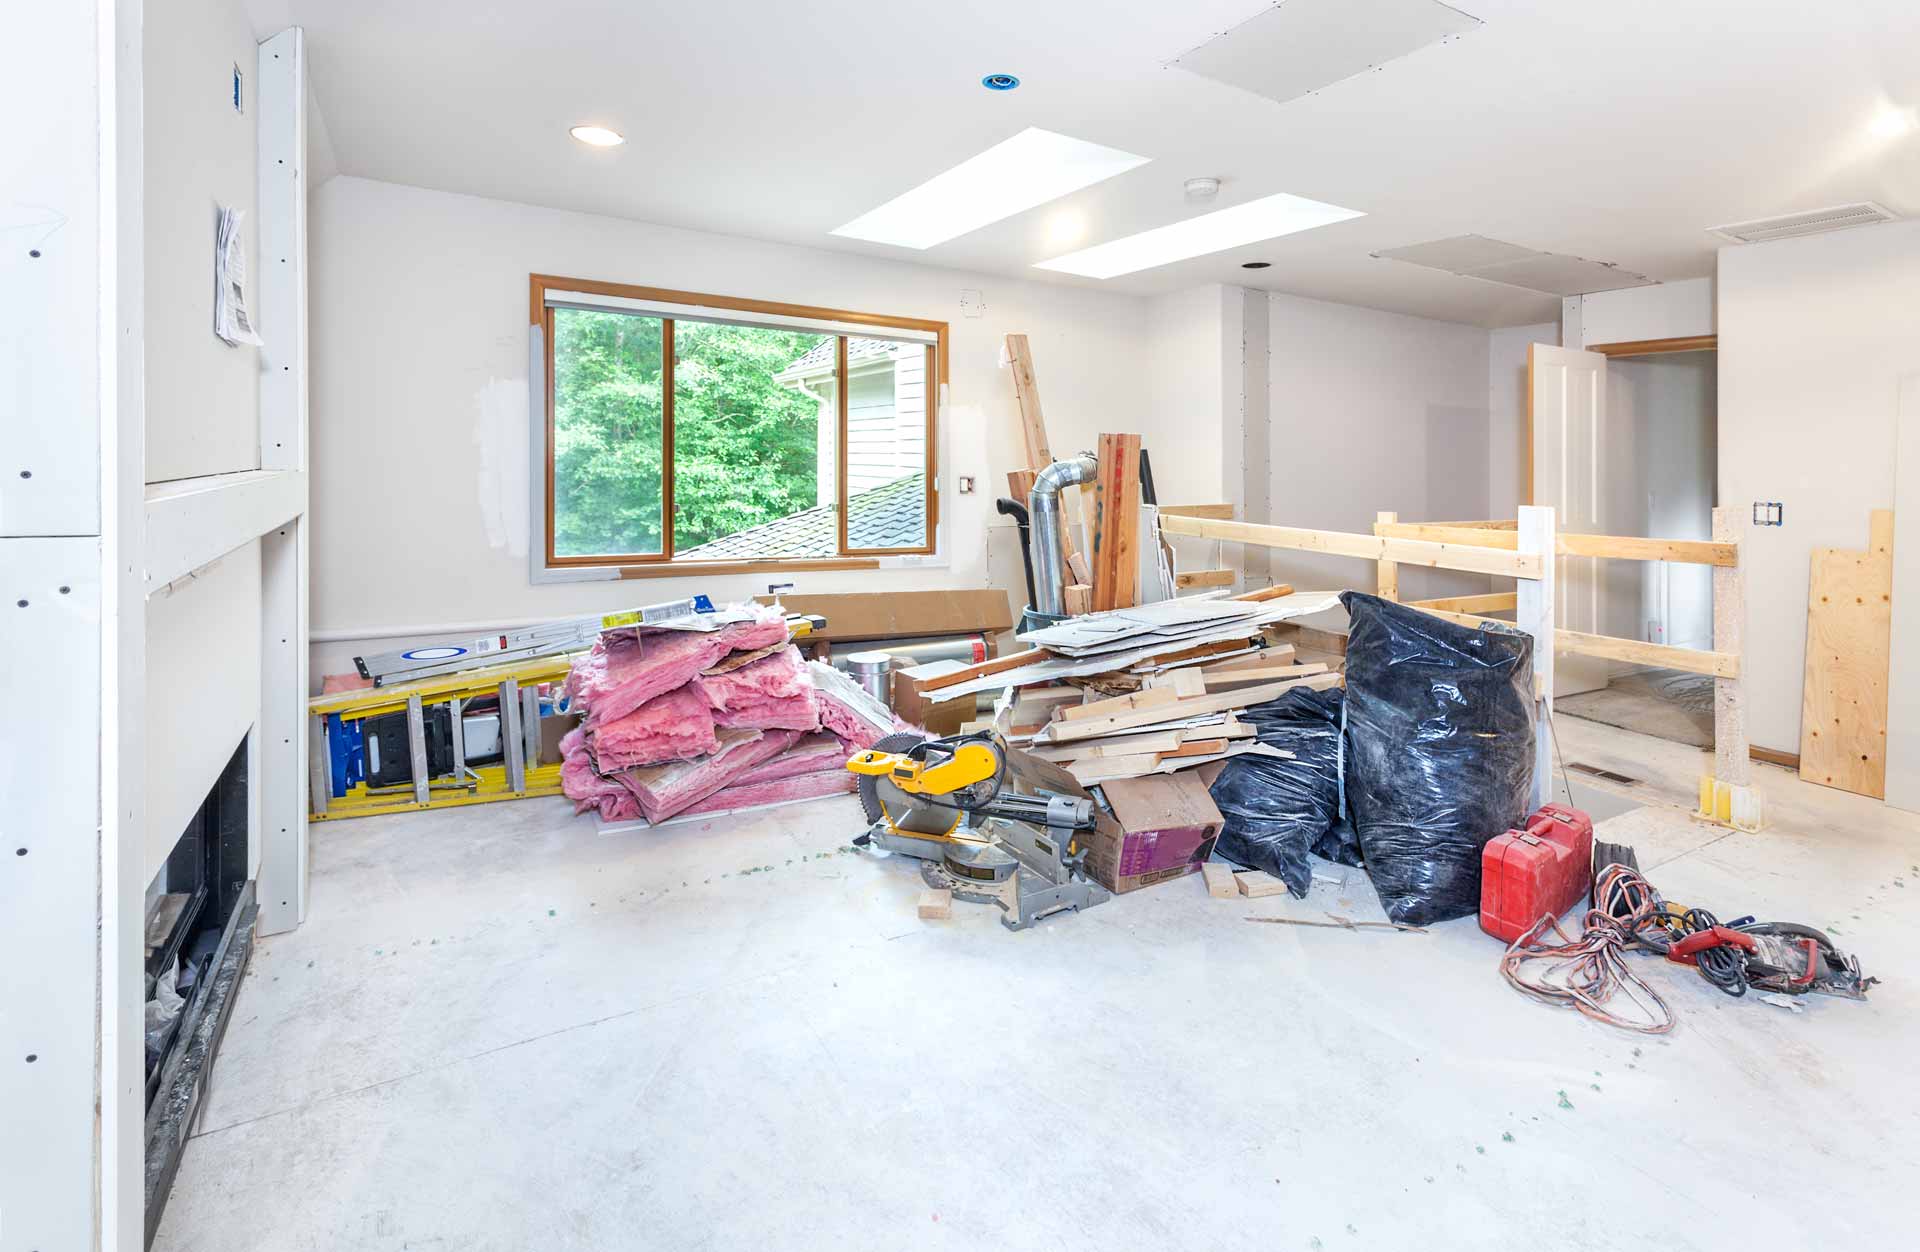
[
  {"x": 499, "y": 1031},
  {"x": 1666, "y": 703}
]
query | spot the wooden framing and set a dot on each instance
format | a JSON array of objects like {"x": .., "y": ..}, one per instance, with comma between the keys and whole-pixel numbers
[
  {"x": 1527, "y": 552},
  {"x": 664, "y": 562},
  {"x": 1116, "y": 529}
]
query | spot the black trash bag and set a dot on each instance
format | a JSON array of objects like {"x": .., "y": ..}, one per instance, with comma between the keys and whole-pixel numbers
[
  {"x": 1439, "y": 732},
  {"x": 1276, "y": 811}
]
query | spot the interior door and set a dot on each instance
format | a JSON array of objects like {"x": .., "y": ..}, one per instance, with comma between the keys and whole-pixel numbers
[{"x": 1571, "y": 452}]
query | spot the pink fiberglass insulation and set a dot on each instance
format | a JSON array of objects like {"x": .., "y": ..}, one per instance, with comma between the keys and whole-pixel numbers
[
  {"x": 812, "y": 754},
  {"x": 584, "y": 786},
  {"x": 848, "y": 710},
  {"x": 773, "y": 693},
  {"x": 667, "y": 789},
  {"x": 676, "y": 726},
  {"x": 746, "y": 795},
  {"x": 625, "y": 669}
]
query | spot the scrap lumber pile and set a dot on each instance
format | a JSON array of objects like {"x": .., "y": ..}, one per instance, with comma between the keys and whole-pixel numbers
[
  {"x": 1144, "y": 690},
  {"x": 707, "y": 720}
]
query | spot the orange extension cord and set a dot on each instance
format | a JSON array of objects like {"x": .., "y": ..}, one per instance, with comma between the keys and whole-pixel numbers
[{"x": 1589, "y": 972}]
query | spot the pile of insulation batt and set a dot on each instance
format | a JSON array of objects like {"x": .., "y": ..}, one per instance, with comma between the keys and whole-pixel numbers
[{"x": 684, "y": 721}]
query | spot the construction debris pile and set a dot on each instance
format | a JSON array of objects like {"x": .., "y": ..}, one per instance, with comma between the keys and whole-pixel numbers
[{"x": 707, "y": 716}]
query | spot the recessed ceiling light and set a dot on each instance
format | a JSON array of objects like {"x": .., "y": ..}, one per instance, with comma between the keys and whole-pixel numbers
[
  {"x": 1252, "y": 222},
  {"x": 1017, "y": 174},
  {"x": 598, "y": 136},
  {"x": 1891, "y": 123},
  {"x": 1256, "y": 265},
  {"x": 999, "y": 82}
]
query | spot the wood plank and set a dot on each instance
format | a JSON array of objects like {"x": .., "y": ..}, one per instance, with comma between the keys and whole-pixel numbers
[
  {"x": 1033, "y": 426},
  {"x": 1265, "y": 593},
  {"x": 1651, "y": 347},
  {"x": 1078, "y": 598},
  {"x": 1219, "y": 880},
  {"x": 1492, "y": 523},
  {"x": 1197, "y": 747},
  {"x": 1843, "y": 713},
  {"x": 1474, "y": 558},
  {"x": 1277, "y": 655},
  {"x": 1203, "y": 578},
  {"x": 1255, "y": 883},
  {"x": 1153, "y": 697},
  {"x": 1493, "y": 603},
  {"x": 1020, "y": 485},
  {"x": 1116, "y": 523},
  {"x": 1219, "y": 512},
  {"x": 1198, "y": 652},
  {"x": 1266, "y": 673},
  {"x": 1062, "y": 732},
  {"x": 1105, "y": 768},
  {"x": 936, "y": 905},
  {"x": 1731, "y": 764},
  {"x": 1626, "y": 548},
  {"x": 1115, "y": 746},
  {"x": 1448, "y": 532},
  {"x": 998, "y": 665},
  {"x": 1660, "y": 655},
  {"x": 1386, "y": 579}
]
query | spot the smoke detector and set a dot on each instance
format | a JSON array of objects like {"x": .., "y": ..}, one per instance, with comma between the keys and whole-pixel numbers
[
  {"x": 1790, "y": 225},
  {"x": 1202, "y": 189}
]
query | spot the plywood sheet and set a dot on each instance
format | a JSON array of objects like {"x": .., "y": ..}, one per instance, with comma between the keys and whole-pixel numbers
[{"x": 1843, "y": 714}]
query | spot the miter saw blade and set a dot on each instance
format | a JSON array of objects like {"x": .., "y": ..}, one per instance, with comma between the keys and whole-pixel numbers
[{"x": 899, "y": 741}]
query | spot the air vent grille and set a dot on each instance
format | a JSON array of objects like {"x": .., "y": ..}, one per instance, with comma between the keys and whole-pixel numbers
[{"x": 1840, "y": 217}]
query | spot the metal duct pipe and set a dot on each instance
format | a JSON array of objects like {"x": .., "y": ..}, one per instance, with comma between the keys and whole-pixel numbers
[{"x": 1043, "y": 514}]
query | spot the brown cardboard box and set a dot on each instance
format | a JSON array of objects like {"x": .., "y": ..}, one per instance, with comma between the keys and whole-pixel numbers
[
  {"x": 938, "y": 720},
  {"x": 1160, "y": 827}
]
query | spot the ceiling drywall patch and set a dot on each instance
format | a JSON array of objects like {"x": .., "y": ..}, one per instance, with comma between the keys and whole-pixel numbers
[
  {"x": 1299, "y": 46},
  {"x": 1496, "y": 261}
]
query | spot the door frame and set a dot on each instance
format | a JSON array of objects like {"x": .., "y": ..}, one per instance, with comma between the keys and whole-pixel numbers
[{"x": 1628, "y": 347}]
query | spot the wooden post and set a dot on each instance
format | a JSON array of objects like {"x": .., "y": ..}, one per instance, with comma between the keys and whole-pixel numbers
[
  {"x": 1728, "y": 795},
  {"x": 1116, "y": 530},
  {"x": 1387, "y": 581},
  {"x": 1533, "y": 613}
]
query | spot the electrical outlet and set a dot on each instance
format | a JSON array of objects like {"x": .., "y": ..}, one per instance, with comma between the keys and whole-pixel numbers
[
  {"x": 1769, "y": 513},
  {"x": 965, "y": 484}
]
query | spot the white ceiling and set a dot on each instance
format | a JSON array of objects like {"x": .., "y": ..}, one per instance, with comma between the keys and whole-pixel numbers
[{"x": 1616, "y": 131}]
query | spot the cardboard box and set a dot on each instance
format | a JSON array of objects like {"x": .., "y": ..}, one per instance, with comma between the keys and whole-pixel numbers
[
  {"x": 939, "y": 720},
  {"x": 903, "y": 614},
  {"x": 1159, "y": 828}
]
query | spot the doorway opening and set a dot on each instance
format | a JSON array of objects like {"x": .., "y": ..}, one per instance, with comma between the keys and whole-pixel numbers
[{"x": 1632, "y": 449}]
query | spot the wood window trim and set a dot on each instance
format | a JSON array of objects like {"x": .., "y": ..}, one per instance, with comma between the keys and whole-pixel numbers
[{"x": 663, "y": 564}]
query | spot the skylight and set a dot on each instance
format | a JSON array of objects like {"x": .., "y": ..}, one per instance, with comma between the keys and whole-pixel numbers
[
  {"x": 1257, "y": 220},
  {"x": 1030, "y": 169}
]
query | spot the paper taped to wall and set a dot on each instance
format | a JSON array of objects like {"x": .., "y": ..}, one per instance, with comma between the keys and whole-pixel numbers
[{"x": 230, "y": 319}]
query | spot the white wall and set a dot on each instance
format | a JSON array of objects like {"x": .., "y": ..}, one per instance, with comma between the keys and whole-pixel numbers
[
  {"x": 1664, "y": 311},
  {"x": 1186, "y": 381},
  {"x": 1507, "y": 408},
  {"x": 1373, "y": 411},
  {"x": 420, "y": 406},
  {"x": 203, "y": 401},
  {"x": 1815, "y": 337},
  {"x": 203, "y": 689}
]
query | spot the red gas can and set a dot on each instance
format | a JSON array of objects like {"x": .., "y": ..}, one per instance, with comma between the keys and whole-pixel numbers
[{"x": 1531, "y": 873}]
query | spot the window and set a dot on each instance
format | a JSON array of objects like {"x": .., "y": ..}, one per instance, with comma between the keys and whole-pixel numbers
[{"x": 702, "y": 430}]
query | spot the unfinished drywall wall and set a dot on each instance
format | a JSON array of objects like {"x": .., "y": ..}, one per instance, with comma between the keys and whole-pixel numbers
[
  {"x": 1679, "y": 310},
  {"x": 1509, "y": 484},
  {"x": 419, "y": 444},
  {"x": 1815, "y": 337},
  {"x": 203, "y": 688},
  {"x": 203, "y": 401},
  {"x": 1372, "y": 411}
]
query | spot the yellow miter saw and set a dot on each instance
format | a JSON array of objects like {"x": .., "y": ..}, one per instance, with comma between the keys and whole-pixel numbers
[{"x": 987, "y": 823}]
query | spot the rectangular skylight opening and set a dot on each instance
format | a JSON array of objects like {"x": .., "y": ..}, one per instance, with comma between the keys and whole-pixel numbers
[
  {"x": 1017, "y": 174},
  {"x": 1252, "y": 222}
]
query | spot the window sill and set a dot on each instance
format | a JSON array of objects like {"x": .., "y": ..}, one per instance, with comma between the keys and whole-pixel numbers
[{"x": 688, "y": 569}]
